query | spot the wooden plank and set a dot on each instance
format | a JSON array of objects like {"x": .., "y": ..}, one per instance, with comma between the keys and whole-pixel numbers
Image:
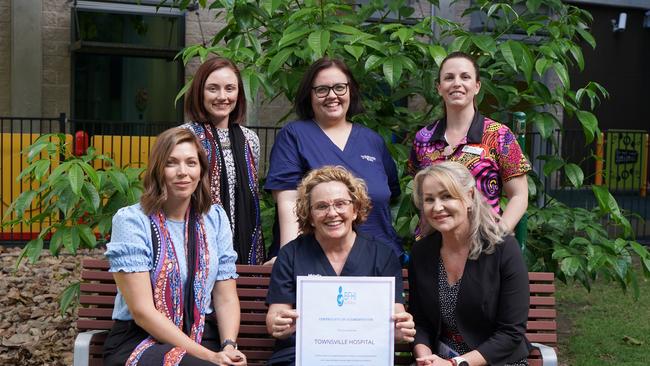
[
  {"x": 104, "y": 288},
  {"x": 542, "y": 301},
  {"x": 84, "y": 324},
  {"x": 95, "y": 312},
  {"x": 96, "y": 300},
  {"x": 537, "y": 325},
  {"x": 539, "y": 288},
  {"x": 541, "y": 276},
  {"x": 96, "y": 264},
  {"x": 542, "y": 314},
  {"x": 252, "y": 292},
  {"x": 90, "y": 275},
  {"x": 549, "y": 339}
]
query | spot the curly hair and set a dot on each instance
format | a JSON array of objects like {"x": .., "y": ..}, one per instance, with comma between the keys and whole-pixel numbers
[
  {"x": 485, "y": 230},
  {"x": 356, "y": 188}
]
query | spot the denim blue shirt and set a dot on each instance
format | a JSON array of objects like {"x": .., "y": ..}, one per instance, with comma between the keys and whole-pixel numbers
[{"x": 130, "y": 249}]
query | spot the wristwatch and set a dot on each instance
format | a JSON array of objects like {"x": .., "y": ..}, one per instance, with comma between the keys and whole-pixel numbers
[
  {"x": 459, "y": 361},
  {"x": 228, "y": 342}
]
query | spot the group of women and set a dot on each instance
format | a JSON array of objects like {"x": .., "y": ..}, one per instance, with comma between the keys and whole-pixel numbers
[{"x": 173, "y": 255}]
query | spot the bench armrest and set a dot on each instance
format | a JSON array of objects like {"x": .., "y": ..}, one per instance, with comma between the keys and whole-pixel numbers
[
  {"x": 549, "y": 357},
  {"x": 82, "y": 347}
]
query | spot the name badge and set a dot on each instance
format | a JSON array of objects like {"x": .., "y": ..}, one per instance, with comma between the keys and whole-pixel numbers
[{"x": 473, "y": 149}]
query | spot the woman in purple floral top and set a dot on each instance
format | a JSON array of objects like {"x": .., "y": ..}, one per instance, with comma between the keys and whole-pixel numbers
[{"x": 487, "y": 148}]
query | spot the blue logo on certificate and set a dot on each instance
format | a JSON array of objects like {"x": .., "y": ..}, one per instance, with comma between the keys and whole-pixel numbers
[{"x": 344, "y": 297}]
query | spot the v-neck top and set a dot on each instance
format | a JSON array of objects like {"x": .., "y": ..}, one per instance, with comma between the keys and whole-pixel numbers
[
  {"x": 304, "y": 256},
  {"x": 302, "y": 146}
]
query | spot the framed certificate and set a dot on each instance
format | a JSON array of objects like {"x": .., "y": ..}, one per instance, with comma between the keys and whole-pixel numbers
[{"x": 345, "y": 321}]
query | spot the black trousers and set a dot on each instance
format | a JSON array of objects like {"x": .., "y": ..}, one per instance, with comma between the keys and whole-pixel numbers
[{"x": 126, "y": 335}]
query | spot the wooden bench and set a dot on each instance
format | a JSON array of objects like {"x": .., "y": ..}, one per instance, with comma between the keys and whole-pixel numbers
[{"x": 98, "y": 292}]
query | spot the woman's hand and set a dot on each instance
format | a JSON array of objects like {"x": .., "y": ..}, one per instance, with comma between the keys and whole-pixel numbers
[
  {"x": 404, "y": 327},
  {"x": 284, "y": 323},
  {"x": 432, "y": 360},
  {"x": 270, "y": 262},
  {"x": 229, "y": 356}
]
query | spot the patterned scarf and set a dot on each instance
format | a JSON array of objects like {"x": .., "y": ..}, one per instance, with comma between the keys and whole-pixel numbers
[
  {"x": 247, "y": 234},
  {"x": 184, "y": 307}
]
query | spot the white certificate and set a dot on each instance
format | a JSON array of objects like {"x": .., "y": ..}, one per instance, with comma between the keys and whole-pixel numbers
[{"x": 345, "y": 321}]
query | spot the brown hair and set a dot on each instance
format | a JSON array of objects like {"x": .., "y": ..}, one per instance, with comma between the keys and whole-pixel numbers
[
  {"x": 485, "y": 230},
  {"x": 459, "y": 54},
  {"x": 302, "y": 103},
  {"x": 155, "y": 190},
  {"x": 194, "y": 107},
  {"x": 356, "y": 188}
]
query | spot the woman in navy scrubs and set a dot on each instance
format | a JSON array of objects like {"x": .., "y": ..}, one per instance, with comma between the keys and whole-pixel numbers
[
  {"x": 330, "y": 204},
  {"x": 327, "y": 98}
]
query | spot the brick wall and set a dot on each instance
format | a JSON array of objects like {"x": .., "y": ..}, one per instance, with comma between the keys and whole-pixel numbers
[
  {"x": 56, "y": 57},
  {"x": 5, "y": 57}
]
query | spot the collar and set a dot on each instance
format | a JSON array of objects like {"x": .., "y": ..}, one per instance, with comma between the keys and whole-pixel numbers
[{"x": 474, "y": 134}]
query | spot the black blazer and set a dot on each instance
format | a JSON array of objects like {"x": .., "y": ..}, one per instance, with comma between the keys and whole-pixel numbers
[{"x": 492, "y": 305}]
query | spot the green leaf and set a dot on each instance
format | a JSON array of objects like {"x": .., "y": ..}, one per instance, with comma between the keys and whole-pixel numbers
[
  {"x": 570, "y": 266},
  {"x": 119, "y": 180},
  {"x": 576, "y": 52},
  {"x": 279, "y": 59},
  {"x": 319, "y": 41},
  {"x": 251, "y": 83},
  {"x": 291, "y": 38},
  {"x": 90, "y": 172},
  {"x": 574, "y": 174},
  {"x": 527, "y": 64},
  {"x": 55, "y": 242},
  {"x": 72, "y": 240},
  {"x": 552, "y": 164},
  {"x": 76, "y": 177},
  {"x": 373, "y": 61},
  {"x": 589, "y": 124},
  {"x": 541, "y": 65},
  {"x": 485, "y": 43},
  {"x": 68, "y": 296},
  {"x": 545, "y": 123},
  {"x": 562, "y": 73},
  {"x": 91, "y": 196},
  {"x": 438, "y": 53},
  {"x": 404, "y": 34},
  {"x": 32, "y": 251},
  {"x": 183, "y": 90},
  {"x": 87, "y": 236},
  {"x": 345, "y": 29},
  {"x": 40, "y": 168},
  {"x": 22, "y": 203},
  {"x": 355, "y": 51},
  {"x": 508, "y": 55},
  {"x": 586, "y": 36},
  {"x": 392, "y": 70}
]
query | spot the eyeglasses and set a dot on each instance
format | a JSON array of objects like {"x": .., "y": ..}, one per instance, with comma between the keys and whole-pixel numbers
[
  {"x": 322, "y": 208},
  {"x": 322, "y": 91}
]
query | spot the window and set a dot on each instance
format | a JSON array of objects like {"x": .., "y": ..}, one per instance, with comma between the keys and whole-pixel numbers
[{"x": 123, "y": 63}]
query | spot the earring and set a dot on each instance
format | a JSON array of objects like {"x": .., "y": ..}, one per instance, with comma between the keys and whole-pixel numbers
[{"x": 469, "y": 209}]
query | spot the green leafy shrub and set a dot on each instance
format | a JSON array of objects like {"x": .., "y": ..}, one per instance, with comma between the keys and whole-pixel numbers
[{"x": 76, "y": 201}]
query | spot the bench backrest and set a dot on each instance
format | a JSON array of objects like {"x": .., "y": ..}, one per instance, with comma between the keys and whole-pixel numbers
[{"x": 98, "y": 292}]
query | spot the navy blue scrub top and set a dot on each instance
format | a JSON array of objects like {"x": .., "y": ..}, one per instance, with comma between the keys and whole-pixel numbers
[
  {"x": 303, "y": 256},
  {"x": 302, "y": 146}
]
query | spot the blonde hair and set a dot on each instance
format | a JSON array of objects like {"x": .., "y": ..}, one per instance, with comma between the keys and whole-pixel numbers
[
  {"x": 356, "y": 188},
  {"x": 485, "y": 230}
]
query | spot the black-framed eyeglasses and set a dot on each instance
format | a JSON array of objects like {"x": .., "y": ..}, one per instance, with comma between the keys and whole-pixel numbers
[{"x": 322, "y": 91}]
